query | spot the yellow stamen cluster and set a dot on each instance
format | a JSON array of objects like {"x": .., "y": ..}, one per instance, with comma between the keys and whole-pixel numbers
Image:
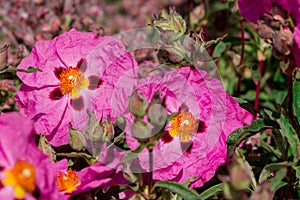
[
  {"x": 183, "y": 125},
  {"x": 21, "y": 177},
  {"x": 72, "y": 80},
  {"x": 67, "y": 181}
]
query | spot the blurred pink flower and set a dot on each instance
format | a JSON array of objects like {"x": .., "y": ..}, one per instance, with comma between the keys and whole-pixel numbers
[
  {"x": 194, "y": 143},
  {"x": 79, "y": 72},
  {"x": 25, "y": 172}
]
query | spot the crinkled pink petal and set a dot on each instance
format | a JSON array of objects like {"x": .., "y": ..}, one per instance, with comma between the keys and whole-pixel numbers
[
  {"x": 207, "y": 101},
  {"x": 252, "y": 9},
  {"x": 297, "y": 45},
  {"x": 16, "y": 144},
  {"x": 94, "y": 176},
  {"x": 107, "y": 59}
]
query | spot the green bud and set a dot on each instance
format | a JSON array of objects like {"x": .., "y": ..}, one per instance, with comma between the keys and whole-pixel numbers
[
  {"x": 93, "y": 129},
  {"x": 76, "y": 139},
  {"x": 172, "y": 26},
  {"x": 140, "y": 130},
  {"x": 157, "y": 115},
  {"x": 121, "y": 123},
  {"x": 46, "y": 147},
  {"x": 138, "y": 104},
  {"x": 3, "y": 56},
  {"x": 109, "y": 132},
  {"x": 240, "y": 173},
  {"x": 263, "y": 192}
]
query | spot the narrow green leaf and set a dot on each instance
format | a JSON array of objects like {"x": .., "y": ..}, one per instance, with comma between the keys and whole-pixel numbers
[
  {"x": 185, "y": 192},
  {"x": 237, "y": 136},
  {"x": 292, "y": 137},
  {"x": 267, "y": 170},
  {"x": 134, "y": 154},
  {"x": 296, "y": 99},
  {"x": 246, "y": 105},
  {"x": 271, "y": 149},
  {"x": 219, "y": 49},
  {"x": 297, "y": 169},
  {"x": 212, "y": 191},
  {"x": 276, "y": 182},
  {"x": 14, "y": 69}
]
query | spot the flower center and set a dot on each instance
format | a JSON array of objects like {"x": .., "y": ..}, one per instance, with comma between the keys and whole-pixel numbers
[
  {"x": 67, "y": 181},
  {"x": 183, "y": 125},
  {"x": 72, "y": 80},
  {"x": 21, "y": 178}
]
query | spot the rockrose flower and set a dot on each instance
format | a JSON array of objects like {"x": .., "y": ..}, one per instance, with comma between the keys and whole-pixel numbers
[
  {"x": 71, "y": 182},
  {"x": 194, "y": 143},
  {"x": 78, "y": 72},
  {"x": 25, "y": 172},
  {"x": 282, "y": 32}
]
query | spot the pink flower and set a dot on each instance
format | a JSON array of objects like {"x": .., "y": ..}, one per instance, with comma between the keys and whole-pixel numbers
[
  {"x": 101, "y": 174},
  {"x": 25, "y": 172},
  {"x": 79, "y": 72},
  {"x": 194, "y": 143},
  {"x": 71, "y": 182}
]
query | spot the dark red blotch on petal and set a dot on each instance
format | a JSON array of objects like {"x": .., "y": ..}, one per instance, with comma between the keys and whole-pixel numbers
[
  {"x": 56, "y": 94},
  {"x": 166, "y": 137},
  {"x": 58, "y": 71},
  {"x": 77, "y": 103},
  {"x": 187, "y": 146},
  {"x": 82, "y": 64},
  {"x": 94, "y": 82},
  {"x": 201, "y": 126}
]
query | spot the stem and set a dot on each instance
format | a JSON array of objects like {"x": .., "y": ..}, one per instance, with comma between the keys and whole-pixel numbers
[
  {"x": 260, "y": 69},
  {"x": 238, "y": 90},
  {"x": 150, "y": 171}
]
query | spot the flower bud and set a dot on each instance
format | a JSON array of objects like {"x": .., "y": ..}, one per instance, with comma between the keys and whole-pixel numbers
[
  {"x": 157, "y": 115},
  {"x": 93, "y": 129},
  {"x": 76, "y": 139},
  {"x": 172, "y": 26},
  {"x": 46, "y": 147},
  {"x": 138, "y": 104},
  {"x": 240, "y": 174},
  {"x": 121, "y": 123},
  {"x": 3, "y": 56},
  {"x": 140, "y": 130},
  {"x": 264, "y": 31},
  {"x": 108, "y": 130}
]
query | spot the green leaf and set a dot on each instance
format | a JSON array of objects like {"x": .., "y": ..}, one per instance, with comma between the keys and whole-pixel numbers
[
  {"x": 212, "y": 191},
  {"x": 237, "y": 136},
  {"x": 292, "y": 137},
  {"x": 134, "y": 154},
  {"x": 271, "y": 149},
  {"x": 246, "y": 105},
  {"x": 14, "y": 69},
  {"x": 297, "y": 169},
  {"x": 276, "y": 182},
  {"x": 269, "y": 169},
  {"x": 296, "y": 99},
  {"x": 185, "y": 192},
  {"x": 219, "y": 49}
]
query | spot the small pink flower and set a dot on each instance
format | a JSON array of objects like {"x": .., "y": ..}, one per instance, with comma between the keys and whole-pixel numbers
[
  {"x": 79, "y": 72},
  {"x": 25, "y": 172},
  {"x": 194, "y": 143},
  {"x": 101, "y": 174}
]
